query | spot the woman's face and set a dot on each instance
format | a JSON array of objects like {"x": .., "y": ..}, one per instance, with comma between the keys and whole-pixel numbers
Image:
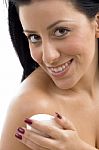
[{"x": 61, "y": 39}]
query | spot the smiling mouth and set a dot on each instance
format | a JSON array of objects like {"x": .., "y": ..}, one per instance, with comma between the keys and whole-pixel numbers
[{"x": 60, "y": 69}]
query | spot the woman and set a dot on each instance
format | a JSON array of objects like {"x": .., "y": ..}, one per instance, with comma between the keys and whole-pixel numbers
[{"x": 59, "y": 40}]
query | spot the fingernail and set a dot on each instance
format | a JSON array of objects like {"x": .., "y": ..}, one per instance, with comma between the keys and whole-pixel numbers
[
  {"x": 28, "y": 121},
  {"x": 21, "y": 130},
  {"x": 58, "y": 115},
  {"x": 17, "y": 135}
]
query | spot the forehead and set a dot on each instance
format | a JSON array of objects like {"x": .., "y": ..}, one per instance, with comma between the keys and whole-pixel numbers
[
  {"x": 46, "y": 7},
  {"x": 41, "y": 5},
  {"x": 47, "y": 11}
]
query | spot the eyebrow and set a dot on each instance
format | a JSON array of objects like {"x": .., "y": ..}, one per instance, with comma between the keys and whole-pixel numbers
[{"x": 50, "y": 26}]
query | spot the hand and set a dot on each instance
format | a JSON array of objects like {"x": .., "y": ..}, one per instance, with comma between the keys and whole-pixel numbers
[{"x": 65, "y": 138}]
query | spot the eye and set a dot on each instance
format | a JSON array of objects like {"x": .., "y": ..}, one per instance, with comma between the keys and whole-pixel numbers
[
  {"x": 60, "y": 32},
  {"x": 34, "y": 38}
]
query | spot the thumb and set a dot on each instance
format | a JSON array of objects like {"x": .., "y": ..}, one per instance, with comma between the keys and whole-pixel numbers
[{"x": 64, "y": 122}]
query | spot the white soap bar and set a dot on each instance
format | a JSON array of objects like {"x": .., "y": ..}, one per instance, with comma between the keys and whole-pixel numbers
[{"x": 44, "y": 119}]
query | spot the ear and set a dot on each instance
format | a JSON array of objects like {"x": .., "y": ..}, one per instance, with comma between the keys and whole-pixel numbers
[{"x": 97, "y": 25}]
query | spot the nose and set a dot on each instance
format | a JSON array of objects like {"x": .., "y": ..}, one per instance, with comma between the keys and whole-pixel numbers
[{"x": 50, "y": 54}]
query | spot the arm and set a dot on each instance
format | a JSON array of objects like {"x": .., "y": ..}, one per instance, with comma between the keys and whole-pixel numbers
[
  {"x": 31, "y": 100},
  {"x": 14, "y": 119},
  {"x": 22, "y": 107}
]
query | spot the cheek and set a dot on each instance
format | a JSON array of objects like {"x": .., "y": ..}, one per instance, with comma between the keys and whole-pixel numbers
[
  {"x": 77, "y": 45},
  {"x": 71, "y": 47},
  {"x": 79, "y": 41}
]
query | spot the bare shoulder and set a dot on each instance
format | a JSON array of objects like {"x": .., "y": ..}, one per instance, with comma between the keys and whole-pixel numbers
[
  {"x": 34, "y": 93},
  {"x": 32, "y": 98}
]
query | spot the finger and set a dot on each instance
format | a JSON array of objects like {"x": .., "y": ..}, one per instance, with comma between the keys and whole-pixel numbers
[
  {"x": 49, "y": 130},
  {"x": 36, "y": 139},
  {"x": 64, "y": 122},
  {"x": 30, "y": 144},
  {"x": 41, "y": 141}
]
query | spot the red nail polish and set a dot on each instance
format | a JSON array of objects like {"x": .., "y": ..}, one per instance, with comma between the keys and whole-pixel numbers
[
  {"x": 28, "y": 121},
  {"x": 58, "y": 115},
  {"x": 17, "y": 135},
  {"x": 21, "y": 130}
]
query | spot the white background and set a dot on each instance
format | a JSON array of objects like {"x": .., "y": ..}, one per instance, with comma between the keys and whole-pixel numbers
[{"x": 10, "y": 68}]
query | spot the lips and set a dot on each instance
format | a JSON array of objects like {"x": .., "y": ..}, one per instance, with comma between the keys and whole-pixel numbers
[{"x": 60, "y": 69}]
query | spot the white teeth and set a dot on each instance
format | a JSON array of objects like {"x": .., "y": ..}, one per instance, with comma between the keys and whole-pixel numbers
[
  {"x": 66, "y": 64},
  {"x": 55, "y": 69},
  {"x": 61, "y": 68}
]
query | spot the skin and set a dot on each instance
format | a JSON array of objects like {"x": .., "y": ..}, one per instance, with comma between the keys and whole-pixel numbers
[{"x": 74, "y": 94}]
